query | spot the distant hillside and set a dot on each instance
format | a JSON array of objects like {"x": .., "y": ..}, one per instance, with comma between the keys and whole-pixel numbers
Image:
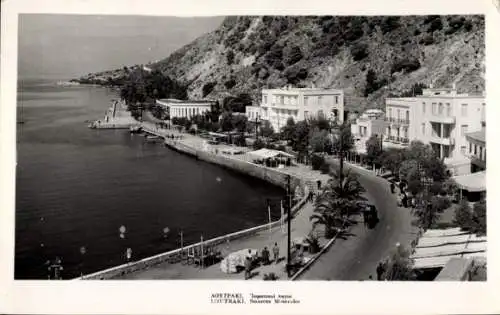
[{"x": 366, "y": 56}]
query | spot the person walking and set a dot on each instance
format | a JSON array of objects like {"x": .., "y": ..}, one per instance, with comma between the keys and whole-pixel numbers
[
  {"x": 276, "y": 253},
  {"x": 265, "y": 256},
  {"x": 393, "y": 187},
  {"x": 248, "y": 267},
  {"x": 380, "y": 271}
]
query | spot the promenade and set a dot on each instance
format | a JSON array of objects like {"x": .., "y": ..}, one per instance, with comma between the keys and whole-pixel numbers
[{"x": 353, "y": 257}]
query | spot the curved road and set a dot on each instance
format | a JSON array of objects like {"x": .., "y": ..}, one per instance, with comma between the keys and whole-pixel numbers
[{"x": 356, "y": 257}]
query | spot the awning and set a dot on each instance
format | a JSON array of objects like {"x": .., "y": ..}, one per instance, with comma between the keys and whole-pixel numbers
[
  {"x": 474, "y": 182},
  {"x": 268, "y": 153}
]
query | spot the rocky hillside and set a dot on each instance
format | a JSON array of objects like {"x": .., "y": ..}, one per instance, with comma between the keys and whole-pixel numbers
[{"x": 368, "y": 57}]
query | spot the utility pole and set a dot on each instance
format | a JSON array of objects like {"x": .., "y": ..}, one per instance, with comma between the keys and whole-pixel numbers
[{"x": 289, "y": 219}]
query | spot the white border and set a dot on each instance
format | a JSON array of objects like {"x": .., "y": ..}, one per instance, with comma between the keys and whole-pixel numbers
[{"x": 182, "y": 297}]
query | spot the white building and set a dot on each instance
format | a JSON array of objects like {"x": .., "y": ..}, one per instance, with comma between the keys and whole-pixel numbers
[
  {"x": 439, "y": 117},
  {"x": 371, "y": 122},
  {"x": 187, "y": 109},
  {"x": 277, "y": 105}
]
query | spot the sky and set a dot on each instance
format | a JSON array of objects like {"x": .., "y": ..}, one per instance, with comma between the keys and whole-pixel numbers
[{"x": 68, "y": 46}]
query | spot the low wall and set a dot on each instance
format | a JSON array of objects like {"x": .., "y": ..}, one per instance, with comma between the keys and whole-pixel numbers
[
  {"x": 121, "y": 270},
  {"x": 273, "y": 176}
]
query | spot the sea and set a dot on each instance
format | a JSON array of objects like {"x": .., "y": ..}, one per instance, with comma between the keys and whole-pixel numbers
[{"x": 75, "y": 188}]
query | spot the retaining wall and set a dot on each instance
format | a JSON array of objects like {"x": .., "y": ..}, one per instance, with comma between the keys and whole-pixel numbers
[{"x": 272, "y": 176}]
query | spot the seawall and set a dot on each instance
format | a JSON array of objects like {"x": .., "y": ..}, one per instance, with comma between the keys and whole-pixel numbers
[{"x": 270, "y": 175}]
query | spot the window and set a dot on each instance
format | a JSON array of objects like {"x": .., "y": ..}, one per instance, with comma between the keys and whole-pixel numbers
[
  {"x": 434, "y": 108},
  {"x": 306, "y": 100},
  {"x": 448, "y": 110},
  {"x": 390, "y": 112},
  {"x": 470, "y": 148},
  {"x": 462, "y": 149},
  {"x": 265, "y": 99},
  {"x": 423, "y": 107},
  {"x": 320, "y": 100},
  {"x": 306, "y": 114},
  {"x": 423, "y": 129},
  {"x": 336, "y": 99},
  {"x": 464, "y": 110},
  {"x": 399, "y": 112},
  {"x": 475, "y": 149},
  {"x": 464, "y": 130},
  {"x": 440, "y": 109},
  {"x": 481, "y": 153},
  {"x": 407, "y": 116},
  {"x": 274, "y": 99}
]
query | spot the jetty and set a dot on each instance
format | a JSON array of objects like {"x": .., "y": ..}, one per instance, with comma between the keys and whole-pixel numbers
[{"x": 114, "y": 118}]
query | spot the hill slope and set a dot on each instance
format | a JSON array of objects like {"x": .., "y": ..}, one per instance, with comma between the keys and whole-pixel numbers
[{"x": 248, "y": 53}]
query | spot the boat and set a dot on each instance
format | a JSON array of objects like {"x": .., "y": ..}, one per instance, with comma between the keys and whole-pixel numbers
[
  {"x": 135, "y": 129},
  {"x": 152, "y": 139}
]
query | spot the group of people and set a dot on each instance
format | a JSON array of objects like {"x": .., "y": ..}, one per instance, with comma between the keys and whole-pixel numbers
[
  {"x": 173, "y": 137},
  {"x": 265, "y": 259},
  {"x": 403, "y": 199}
]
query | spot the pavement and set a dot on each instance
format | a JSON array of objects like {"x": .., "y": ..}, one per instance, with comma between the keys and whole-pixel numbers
[
  {"x": 356, "y": 257},
  {"x": 352, "y": 258}
]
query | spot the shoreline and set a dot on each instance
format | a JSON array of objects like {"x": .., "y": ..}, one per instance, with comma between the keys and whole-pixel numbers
[{"x": 274, "y": 177}]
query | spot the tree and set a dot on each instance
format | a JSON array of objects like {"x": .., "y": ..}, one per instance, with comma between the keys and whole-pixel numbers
[
  {"x": 463, "y": 216},
  {"x": 230, "y": 57},
  {"x": 293, "y": 55},
  {"x": 239, "y": 122},
  {"x": 266, "y": 130},
  {"x": 226, "y": 121},
  {"x": 392, "y": 159},
  {"x": 373, "y": 150},
  {"x": 345, "y": 141},
  {"x": 208, "y": 88},
  {"x": 289, "y": 129},
  {"x": 300, "y": 139},
  {"x": 400, "y": 266},
  {"x": 430, "y": 211},
  {"x": 317, "y": 161},
  {"x": 338, "y": 201},
  {"x": 320, "y": 141},
  {"x": 479, "y": 217}
]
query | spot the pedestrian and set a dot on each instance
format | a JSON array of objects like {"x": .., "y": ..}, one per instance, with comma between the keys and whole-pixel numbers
[
  {"x": 248, "y": 267},
  {"x": 405, "y": 201},
  {"x": 393, "y": 187},
  {"x": 265, "y": 256},
  {"x": 319, "y": 184},
  {"x": 276, "y": 253},
  {"x": 365, "y": 217},
  {"x": 380, "y": 271},
  {"x": 370, "y": 277}
]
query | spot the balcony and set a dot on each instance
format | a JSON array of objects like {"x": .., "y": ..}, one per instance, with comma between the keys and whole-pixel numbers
[
  {"x": 442, "y": 119},
  {"x": 443, "y": 141},
  {"x": 395, "y": 139},
  {"x": 397, "y": 121}
]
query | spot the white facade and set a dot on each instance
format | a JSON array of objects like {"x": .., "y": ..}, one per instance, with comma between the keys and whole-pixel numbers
[
  {"x": 187, "y": 109},
  {"x": 371, "y": 122},
  {"x": 277, "y": 105},
  {"x": 439, "y": 117}
]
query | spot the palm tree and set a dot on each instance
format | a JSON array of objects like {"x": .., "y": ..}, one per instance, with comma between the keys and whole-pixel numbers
[{"x": 339, "y": 199}]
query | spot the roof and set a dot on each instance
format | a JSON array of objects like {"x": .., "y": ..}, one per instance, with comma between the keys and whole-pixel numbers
[
  {"x": 478, "y": 135},
  {"x": 455, "y": 269},
  {"x": 436, "y": 247},
  {"x": 268, "y": 153},
  {"x": 185, "y": 102},
  {"x": 474, "y": 182}
]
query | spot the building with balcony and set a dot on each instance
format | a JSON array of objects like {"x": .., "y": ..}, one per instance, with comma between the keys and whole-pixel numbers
[
  {"x": 277, "y": 105},
  {"x": 477, "y": 150},
  {"x": 439, "y": 117},
  {"x": 186, "y": 109},
  {"x": 371, "y": 122}
]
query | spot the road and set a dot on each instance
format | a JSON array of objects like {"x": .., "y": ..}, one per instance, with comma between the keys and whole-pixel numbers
[{"x": 356, "y": 257}]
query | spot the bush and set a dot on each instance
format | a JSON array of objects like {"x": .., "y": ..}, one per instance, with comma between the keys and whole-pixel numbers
[
  {"x": 389, "y": 24},
  {"x": 468, "y": 26},
  {"x": 294, "y": 55},
  {"x": 359, "y": 52},
  {"x": 427, "y": 40},
  {"x": 230, "y": 57},
  {"x": 435, "y": 25},
  {"x": 208, "y": 88},
  {"x": 405, "y": 65},
  {"x": 229, "y": 84},
  {"x": 416, "y": 32},
  {"x": 317, "y": 161},
  {"x": 270, "y": 277},
  {"x": 258, "y": 144},
  {"x": 294, "y": 75}
]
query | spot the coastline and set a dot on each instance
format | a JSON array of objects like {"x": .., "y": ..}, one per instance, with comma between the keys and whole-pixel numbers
[{"x": 233, "y": 163}]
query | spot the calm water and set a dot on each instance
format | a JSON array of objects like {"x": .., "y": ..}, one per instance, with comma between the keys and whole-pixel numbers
[{"x": 76, "y": 187}]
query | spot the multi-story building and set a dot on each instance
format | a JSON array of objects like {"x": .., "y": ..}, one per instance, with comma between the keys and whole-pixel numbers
[
  {"x": 477, "y": 150},
  {"x": 371, "y": 122},
  {"x": 439, "y": 117},
  {"x": 187, "y": 109},
  {"x": 277, "y": 105}
]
